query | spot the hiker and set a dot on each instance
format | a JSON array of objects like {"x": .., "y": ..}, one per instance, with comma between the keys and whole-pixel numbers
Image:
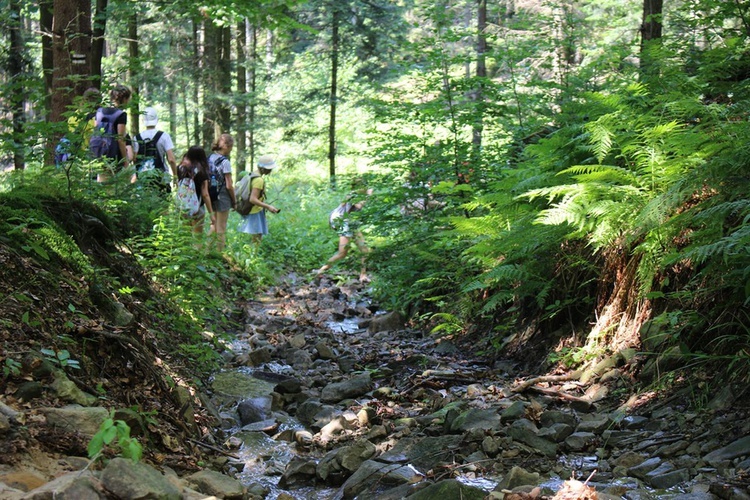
[
  {"x": 151, "y": 147},
  {"x": 195, "y": 163},
  {"x": 80, "y": 127},
  {"x": 255, "y": 223},
  {"x": 347, "y": 230},
  {"x": 221, "y": 187},
  {"x": 108, "y": 138}
]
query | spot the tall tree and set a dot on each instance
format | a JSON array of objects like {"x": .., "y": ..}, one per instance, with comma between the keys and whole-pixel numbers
[
  {"x": 17, "y": 65},
  {"x": 333, "y": 94},
  {"x": 481, "y": 75},
  {"x": 71, "y": 53},
  {"x": 241, "y": 139},
  {"x": 97, "y": 42},
  {"x": 650, "y": 33}
]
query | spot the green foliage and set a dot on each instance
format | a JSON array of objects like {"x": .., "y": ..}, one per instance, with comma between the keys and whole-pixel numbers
[
  {"x": 61, "y": 358},
  {"x": 114, "y": 434},
  {"x": 11, "y": 367}
]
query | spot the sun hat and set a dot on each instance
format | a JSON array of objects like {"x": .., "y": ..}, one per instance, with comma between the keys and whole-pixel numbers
[
  {"x": 150, "y": 117},
  {"x": 267, "y": 162}
]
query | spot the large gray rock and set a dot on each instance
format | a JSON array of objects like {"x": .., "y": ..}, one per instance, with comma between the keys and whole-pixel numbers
[
  {"x": 216, "y": 484},
  {"x": 350, "y": 388},
  {"x": 518, "y": 476},
  {"x": 424, "y": 453},
  {"x": 488, "y": 420},
  {"x": 447, "y": 489},
  {"x": 377, "y": 476},
  {"x": 75, "y": 418},
  {"x": 124, "y": 478},
  {"x": 388, "y": 322},
  {"x": 738, "y": 448},
  {"x": 78, "y": 485},
  {"x": 298, "y": 471},
  {"x": 527, "y": 435},
  {"x": 254, "y": 410}
]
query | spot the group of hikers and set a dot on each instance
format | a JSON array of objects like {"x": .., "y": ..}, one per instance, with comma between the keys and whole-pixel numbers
[{"x": 203, "y": 182}]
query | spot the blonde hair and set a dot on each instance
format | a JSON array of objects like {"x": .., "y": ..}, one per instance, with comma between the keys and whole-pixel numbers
[{"x": 228, "y": 140}]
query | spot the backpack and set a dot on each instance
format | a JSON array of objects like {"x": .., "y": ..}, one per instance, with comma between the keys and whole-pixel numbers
[
  {"x": 242, "y": 191},
  {"x": 216, "y": 179},
  {"x": 63, "y": 152},
  {"x": 187, "y": 198},
  {"x": 103, "y": 141},
  {"x": 150, "y": 159}
]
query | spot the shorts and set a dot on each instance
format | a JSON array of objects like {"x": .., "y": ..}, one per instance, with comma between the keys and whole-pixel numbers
[{"x": 223, "y": 202}]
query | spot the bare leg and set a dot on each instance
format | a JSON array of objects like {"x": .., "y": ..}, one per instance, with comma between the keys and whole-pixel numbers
[
  {"x": 340, "y": 254},
  {"x": 220, "y": 228}
]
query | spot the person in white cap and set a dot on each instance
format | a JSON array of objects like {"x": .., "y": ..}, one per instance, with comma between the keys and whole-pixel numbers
[
  {"x": 151, "y": 147},
  {"x": 255, "y": 223}
]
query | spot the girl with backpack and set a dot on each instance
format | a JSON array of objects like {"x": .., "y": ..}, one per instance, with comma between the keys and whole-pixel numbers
[
  {"x": 255, "y": 223},
  {"x": 221, "y": 187},
  {"x": 194, "y": 166},
  {"x": 110, "y": 140}
]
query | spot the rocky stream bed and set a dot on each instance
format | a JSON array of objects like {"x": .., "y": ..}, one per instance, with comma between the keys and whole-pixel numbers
[{"x": 325, "y": 397}]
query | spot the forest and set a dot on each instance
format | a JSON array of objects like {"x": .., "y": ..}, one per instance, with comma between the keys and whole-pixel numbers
[{"x": 552, "y": 182}]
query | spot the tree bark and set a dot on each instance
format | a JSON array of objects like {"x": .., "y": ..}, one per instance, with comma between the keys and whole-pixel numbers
[
  {"x": 333, "y": 96},
  {"x": 134, "y": 70},
  {"x": 253, "y": 91},
  {"x": 481, "y": 75},
  {"x": 45, "y": 23},
  {"x": 650, "y": 34},
  {"x": 241, "y": 139},
  {"x": 71, "y": 54},
  {"x": 17, "y": 72},
  {"x": 97, "y": 42}
]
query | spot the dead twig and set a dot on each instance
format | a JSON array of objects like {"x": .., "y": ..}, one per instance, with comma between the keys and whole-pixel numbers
[{"x": 213, "y": 448}]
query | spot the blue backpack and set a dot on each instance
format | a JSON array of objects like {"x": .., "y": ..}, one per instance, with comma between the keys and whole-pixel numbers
[
  {"x": 216, "y": 179},
  {"x": 104, "y": 139}
]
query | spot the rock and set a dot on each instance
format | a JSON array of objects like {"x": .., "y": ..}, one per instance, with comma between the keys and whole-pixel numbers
[
  {"x": 524, "y": 434},
  {"x": 351, "y": 388},
  {"x": 253, "y": 410},
  {"x": 665, "y": 476},
  {"x": 325, "y": 351},
  {"x": 550, "y": 417},
  {"x": 79, "y": 485},
  {"x": 518, "y": 476},
  {"x": 216, "y": 484},
  {"x": 388, "y": 322},
  {"x": 298, "y": 471},
  {"x": 340, "y": 463},
  {"x": 124, "y": 478},
  {"x": 24, "y": 481},
  {"x": 289, "y": 386},
  {"x": 315, "y": 414},
  {"x": 633, "y": 422},
  {"x": 29, "y": 391},
  {"x": 594, "y": 423},
  {"x": 556, "y": 432},
  {"x": 121, "y": 316},
  {"x": 738, "y": 448},
  {"x": 644, "y": 468},
  {"x": 67, "y": 390},
  {"x": 259, "y": 356},
  {"x": 76, "y": 419},
  {"x": 298, "y": 341},
  {"x": 425, "y": 453},
  {"x": 515, "y": 411},
  {"x": 377, "y": 475},
  {"x": 4, "y": 424},
  {"x": 580, "y": 441},
  {"x": 447, "y": 489},
  {"x": 477, "y": 419}
]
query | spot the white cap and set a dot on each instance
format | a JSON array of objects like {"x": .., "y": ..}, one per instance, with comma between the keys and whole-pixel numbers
[{"x": 150, "y": 117}]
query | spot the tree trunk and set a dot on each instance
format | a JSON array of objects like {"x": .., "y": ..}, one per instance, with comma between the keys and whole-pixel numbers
[
  {"x": 134, "y": 74},
  {"x": 198, "y": 63},
  {"x": 210, "y": 71},
  {"x": 481, "y": 75},
  {"x": 45, "y": 23},
  {"x": 333, "y": 96},
  {"x": 97, "y": 42},
  {"x": 241, "y": 139},
  {"x": 71, "y": 54},
  {"x": 253, "y": 91},
  {"x": 224, "y": 78},
  {"x": 650, "y": 34},
  {"x": 17, "y": 71}
]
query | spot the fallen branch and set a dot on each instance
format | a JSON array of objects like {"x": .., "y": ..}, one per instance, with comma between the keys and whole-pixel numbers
[
  {"x": 547, "y": 378},
  {"x": 213, "y": 448}
]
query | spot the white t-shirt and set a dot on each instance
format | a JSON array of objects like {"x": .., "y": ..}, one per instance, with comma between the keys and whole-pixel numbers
[{"x": 164, "y": 145}]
